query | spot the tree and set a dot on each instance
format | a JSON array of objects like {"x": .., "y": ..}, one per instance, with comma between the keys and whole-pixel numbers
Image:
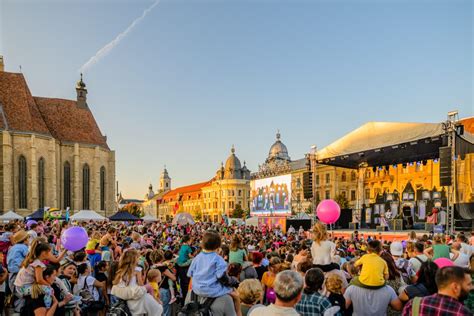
[
  {"x": 342, "y": 201},
  {"x": 134, "y": 209},
  {"x": 238, "y": 212}
]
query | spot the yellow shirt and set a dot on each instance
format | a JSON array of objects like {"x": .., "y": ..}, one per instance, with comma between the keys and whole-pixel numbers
[
  {"x": 373, "y": 269},
  {"x": 156, "y": 289},
  {"x": 91, "y": 244}
]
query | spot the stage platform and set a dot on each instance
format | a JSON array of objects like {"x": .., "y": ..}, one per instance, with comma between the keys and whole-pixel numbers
[{"x": 398, "y": 235}]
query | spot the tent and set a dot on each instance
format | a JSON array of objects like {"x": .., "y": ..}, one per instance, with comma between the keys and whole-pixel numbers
[
  {"x": 10, "y": 216},
  {"x": 183, "y": 219},
  {"x": 38, "y": 215},
  {"x": 124, "y": 216},
  {"x": 149, "y": 218},
  {"x": 86, "y": 215},
  {"x": 252, "y": 221}
]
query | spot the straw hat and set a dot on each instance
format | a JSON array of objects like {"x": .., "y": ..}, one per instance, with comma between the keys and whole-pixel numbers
[{"x": 19, "y": 236}]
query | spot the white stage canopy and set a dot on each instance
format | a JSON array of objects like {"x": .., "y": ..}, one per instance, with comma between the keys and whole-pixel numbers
[
  {"x": 87, "y": 215},
  {"x": 10, "y": 216}
]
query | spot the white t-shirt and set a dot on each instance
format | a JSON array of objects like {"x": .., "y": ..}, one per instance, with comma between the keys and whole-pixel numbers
[
  {"x": 90, "y": 285},
  {"x": 323, "y": 252},
  {"x": 461, "y": 261},
  {"x": 274, "y": 310}
]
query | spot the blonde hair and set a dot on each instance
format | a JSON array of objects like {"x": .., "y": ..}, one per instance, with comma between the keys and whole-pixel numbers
[
  {"x": 439, "y": 239},
  {"x": 334, "y": 284},
  {"x": 152, "y": 274},
  {"x": 126, "y": 266},
  {"x": 135, "y": 236},
  {"x": 319, "y": 232},
  {"x": 250, "y": 291},
  {"x": 236, "y": 243},
  {"x": 275, "y": 265}
]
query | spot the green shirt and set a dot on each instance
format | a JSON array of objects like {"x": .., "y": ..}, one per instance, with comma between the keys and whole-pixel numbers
[
  {"x": 440, "y": 251},
  {"x": 237, "y": 256}
]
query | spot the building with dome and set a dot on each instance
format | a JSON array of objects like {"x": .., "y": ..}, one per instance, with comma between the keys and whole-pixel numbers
[
  {"x": 277, "y": 186},
  {"x": 227, "y": 190},
  {"x": 52, "y": 151},
  {"x": 150, "y": 204}
]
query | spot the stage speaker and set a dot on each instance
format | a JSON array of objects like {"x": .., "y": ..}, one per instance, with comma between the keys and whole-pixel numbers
[
  {"x": 308, "y": 185},
  {"x": 397, "y": 224},
  {"x": 445, "y": 166},
  {"x": 353, "y": 226},
  {"x": 345, "y": 219}
]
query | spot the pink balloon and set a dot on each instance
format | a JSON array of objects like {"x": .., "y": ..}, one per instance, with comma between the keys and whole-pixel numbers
[
  {"x": 443, "y": 262},
  {"x": 328, "y": 211}
]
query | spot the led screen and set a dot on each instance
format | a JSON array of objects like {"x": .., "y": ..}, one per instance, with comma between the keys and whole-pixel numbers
[{"x": 271, "y": 196}]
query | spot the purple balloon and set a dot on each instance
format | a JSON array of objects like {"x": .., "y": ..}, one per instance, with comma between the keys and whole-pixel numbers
[
  {"x": 74, "y": 238},
  {"x": 31, "y": 222},
  {"x": 328, "y": 211}
]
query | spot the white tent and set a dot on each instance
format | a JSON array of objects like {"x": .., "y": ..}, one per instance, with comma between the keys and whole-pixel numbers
[
  {"x": 252, "y": 221},
  {"x": 10, "y": 216},
  {"x": 183, "y": 219},
  {"x": 86, "y": 215},
  {"x": 149, "y": 218}
]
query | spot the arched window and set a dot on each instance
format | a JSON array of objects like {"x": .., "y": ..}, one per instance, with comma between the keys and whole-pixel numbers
[
  {"x": 85, "y": 187},
  {"x": 41, "y": 181},
  {"x": 67, "y": 185},
  {"x": 343, "y": 177},
  {"x": 102, "y": 188},
  {"x": 22, "y": 185}
]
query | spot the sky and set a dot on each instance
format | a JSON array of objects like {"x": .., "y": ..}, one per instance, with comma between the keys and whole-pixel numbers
[{"x": 192, "y": 78}]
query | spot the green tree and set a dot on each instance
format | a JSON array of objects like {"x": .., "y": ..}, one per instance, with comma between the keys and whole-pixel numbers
[
  {"x": 342, "y": 201},
  {"x": 238, "y": 212},
  {"x": 134, "y": 209}
]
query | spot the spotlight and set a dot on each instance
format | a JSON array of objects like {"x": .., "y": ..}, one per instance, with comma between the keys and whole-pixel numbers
[
  {"x": 435, "y": 160},
  {"x": 411, "y": 163},
  {"x": 394, "y": 166}
]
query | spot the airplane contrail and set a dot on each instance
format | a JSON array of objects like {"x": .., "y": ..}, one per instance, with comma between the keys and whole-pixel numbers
[{"x": 111, "y": 45}]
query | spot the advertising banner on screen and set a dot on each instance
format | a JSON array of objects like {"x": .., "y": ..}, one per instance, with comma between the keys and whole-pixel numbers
[{"x": 271, "y": 196}]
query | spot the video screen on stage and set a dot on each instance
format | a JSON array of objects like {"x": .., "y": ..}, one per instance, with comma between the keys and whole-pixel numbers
[{"x": 271, "y": 196}]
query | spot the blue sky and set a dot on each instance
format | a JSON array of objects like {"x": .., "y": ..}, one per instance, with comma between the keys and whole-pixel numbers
[{"x": 195, "y": 77}]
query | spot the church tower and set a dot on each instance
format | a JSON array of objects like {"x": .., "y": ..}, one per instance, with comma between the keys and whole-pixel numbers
[
  {"x": 165, "y": 181},
  {"x": 81, "y": 91}
]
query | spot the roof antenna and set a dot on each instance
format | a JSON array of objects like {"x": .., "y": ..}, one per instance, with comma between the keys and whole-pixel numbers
[{"x": 20, "y": 69}]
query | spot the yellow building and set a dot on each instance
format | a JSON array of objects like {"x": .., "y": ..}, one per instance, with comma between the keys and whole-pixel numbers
[{"x": 209, "y": 200}]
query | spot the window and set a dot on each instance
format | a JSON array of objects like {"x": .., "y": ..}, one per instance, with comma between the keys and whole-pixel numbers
[
  {"x": 343, "y": 194},
  {"x": 102, "y": 188},
  {"x": 22, "y": 177},
  {"x": 85, "y": 187},
  {"x": 367, "y": 194},
  {"x": 216, "y": 218},
  {"x": 298, "y": 183},
  {"x": 67, "y": 185},
  {"x": 41, "y": 181},
  {"x": 240, "y": 192},
  {"x": 317, "y": 179},
  {"x": 327, "y": 195},
  {"x": 343, "y": 177},
  {"x": 318, "y": 196},
  {"x": 353, "y": 176},
  {"x": 353, "y": 195},
  {"x": 328, "y": 178}
]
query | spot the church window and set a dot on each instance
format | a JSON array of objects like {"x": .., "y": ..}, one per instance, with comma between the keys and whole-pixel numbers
[
  {"x": 41, "y": 181},
  {"x": 22, "y": 185},
  {"x": 85, "y": 187},
  {"x": 67, "y": 185},
  {"x": 102, "y": 188}
]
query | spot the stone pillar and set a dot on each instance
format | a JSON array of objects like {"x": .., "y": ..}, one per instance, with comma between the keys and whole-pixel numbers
[
  {"x": 7, "y": 166},
  {"x": 76, "y": 192},
  {"x": 95, "y": 180},
  {"x": 51, "y": 170},
  {"x": 110, "y": 198},
  {"x": 33, "y": 193}
]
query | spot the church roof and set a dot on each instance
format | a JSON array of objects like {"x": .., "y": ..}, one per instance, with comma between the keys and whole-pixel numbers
[{"x": 59, "y": 118}]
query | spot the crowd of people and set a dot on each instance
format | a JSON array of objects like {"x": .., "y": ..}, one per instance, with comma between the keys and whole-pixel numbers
[{"x": 164, "y": 269}]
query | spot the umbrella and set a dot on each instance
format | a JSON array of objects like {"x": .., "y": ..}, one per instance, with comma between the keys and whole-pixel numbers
[
  {"x": 10, "y": 216},
  {"x": 183, "y": 219},
  {"x": 86, "y": 215}
]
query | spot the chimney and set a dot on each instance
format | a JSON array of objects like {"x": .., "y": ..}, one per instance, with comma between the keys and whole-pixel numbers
[
  {"x": 81, "y": 91},
  {"x": 2, "y": 65}
]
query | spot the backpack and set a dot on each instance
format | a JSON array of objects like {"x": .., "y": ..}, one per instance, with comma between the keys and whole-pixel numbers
[
  {"x": 194, "y": 308},
  {"x": 404, "y": 272},
  {"x": 120, "y": 308}
]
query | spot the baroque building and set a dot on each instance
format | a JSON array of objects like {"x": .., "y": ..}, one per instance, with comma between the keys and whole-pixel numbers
[
  {"x": 210, "y": 200},
  {"x": 150, "y": 204},
  {"x": 52, "y": 152}
]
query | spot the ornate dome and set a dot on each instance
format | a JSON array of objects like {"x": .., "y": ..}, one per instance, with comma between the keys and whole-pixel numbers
[
  {"x": 80, "y": 84},
  {"x": 232, "y": 166},
  {"x": 278, "y": 151}
]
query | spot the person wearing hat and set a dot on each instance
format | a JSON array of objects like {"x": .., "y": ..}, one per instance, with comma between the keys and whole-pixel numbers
[
  {"x": 16, "y": 255},
  {"x": 405, "y": 266}
]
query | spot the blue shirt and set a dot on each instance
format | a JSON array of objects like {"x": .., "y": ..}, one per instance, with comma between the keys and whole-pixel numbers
[
  {"x": 205, "y": 269},
  {"x": 184, "y": 253},
  {"x": 313, "y": 304},
  {"x": 15, "y": 257}
]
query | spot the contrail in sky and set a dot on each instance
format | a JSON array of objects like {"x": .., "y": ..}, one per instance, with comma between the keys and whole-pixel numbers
[{"x": 111, "y": 45}]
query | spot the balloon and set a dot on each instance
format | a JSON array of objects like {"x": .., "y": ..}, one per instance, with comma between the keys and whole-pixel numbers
[
  {"x": 31, "y": 222},
  {"x": 328, "y": 211},
  {"x": 443, "y": 262},
  {"x": 74, "y": 238}
]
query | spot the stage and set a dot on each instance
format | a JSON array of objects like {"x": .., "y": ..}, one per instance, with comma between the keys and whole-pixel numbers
[{"x": 398, "y": 235}]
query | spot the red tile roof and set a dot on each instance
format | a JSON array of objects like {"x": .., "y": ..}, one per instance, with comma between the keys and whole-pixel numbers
[
  {"x": 468, "y": 124},
  {"x": 67, "y": 122},
  {"x": 188, "y": 192},
  {"x": 59, "y": 118}
]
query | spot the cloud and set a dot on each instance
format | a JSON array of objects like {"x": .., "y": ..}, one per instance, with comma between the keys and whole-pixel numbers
[{"x": 104, "y": 51}]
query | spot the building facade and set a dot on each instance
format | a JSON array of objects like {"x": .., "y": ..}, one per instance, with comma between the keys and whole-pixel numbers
[
  {"x": 209, "y": 200},
  {"x": 52, "y": 152}
]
